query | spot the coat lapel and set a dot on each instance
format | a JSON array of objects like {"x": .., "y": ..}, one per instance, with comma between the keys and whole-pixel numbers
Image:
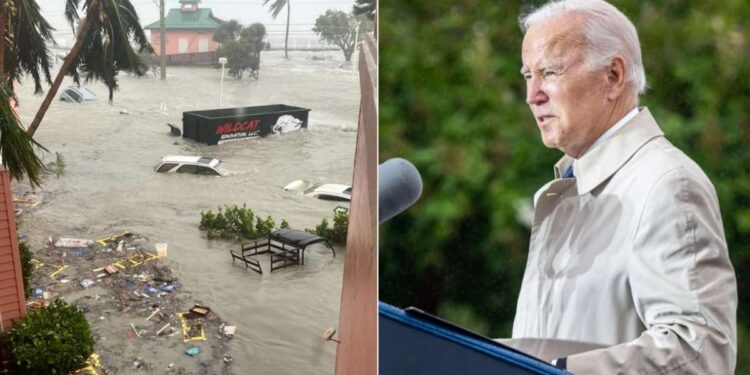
[{"x": 599, "y": 164}]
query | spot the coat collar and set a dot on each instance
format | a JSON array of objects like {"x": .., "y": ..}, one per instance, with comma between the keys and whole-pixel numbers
[{"x": 600, "y": 163}]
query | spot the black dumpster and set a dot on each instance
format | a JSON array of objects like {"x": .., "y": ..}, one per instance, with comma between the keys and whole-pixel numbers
[{"x": 216, "y": 126}]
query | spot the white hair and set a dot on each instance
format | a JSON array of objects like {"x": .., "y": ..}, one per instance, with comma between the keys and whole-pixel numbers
[{"x": 608, "y": 33}]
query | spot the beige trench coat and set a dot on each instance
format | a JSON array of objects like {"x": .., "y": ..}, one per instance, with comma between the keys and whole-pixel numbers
[{"x": 631, "y": 255}]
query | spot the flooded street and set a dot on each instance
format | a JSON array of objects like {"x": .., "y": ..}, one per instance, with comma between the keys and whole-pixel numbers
[{"x": 109, "y": 186}]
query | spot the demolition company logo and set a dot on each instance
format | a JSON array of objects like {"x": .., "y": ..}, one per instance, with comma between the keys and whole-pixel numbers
[{"x": 239, "y": 129}]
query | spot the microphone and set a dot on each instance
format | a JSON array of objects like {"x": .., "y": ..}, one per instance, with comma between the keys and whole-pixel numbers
[{"x": 399, "y": 186}]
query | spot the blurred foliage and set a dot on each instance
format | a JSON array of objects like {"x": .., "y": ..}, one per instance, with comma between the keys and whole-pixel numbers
[
  {"x": 453, "y": 103},
  {"x": 743, "y": 342}
]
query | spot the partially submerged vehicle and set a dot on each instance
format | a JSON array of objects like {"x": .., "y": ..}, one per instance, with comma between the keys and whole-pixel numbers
[
  {"x": 190, "y": 164},
  {"x": 334, "y": 192},
  {"x": 75, "y": 94}
]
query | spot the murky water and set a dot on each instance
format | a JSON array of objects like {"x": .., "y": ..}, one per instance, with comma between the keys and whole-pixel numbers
[{"x": 109, "y": 186}]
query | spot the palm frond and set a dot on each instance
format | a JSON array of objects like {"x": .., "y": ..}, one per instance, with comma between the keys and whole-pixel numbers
[
  {"x": 276, "y": 7},
  {"x": 71, "y": 13},
  {"x": 26, "y": 47},
  {"x": 107, "y": 47},
  {"x": 17, "y": 147}
]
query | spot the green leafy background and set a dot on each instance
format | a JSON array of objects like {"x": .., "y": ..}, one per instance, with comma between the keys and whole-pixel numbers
[{"x": 452, "y": 102}]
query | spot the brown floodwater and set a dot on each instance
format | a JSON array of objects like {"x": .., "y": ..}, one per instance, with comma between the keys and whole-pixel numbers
[{"x": 109, "y": 186}]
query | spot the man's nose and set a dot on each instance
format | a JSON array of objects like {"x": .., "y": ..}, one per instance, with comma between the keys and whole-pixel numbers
[{"x": 534, "y": 93}]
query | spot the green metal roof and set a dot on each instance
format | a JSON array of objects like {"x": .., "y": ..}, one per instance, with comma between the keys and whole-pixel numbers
[{"x": 177, "y": 19}]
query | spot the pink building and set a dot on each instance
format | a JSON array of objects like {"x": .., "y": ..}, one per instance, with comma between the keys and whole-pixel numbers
[
  {"x": 12, "y": 300},
  {"x": 187, "y": 30}
]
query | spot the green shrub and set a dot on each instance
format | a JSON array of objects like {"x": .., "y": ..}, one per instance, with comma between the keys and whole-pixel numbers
[
  {"x": 321, "y": 229},
  {"x": 265, "y": 227},
  {"x": 27, "y": 268},
  {"x": 55, "y": 340},
  {"x": 236, "y": 223},
  {"x": 336, "y": 234},
  {"x": 207, "y": 219}
]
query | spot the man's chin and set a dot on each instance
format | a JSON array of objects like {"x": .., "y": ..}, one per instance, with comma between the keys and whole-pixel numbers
[{"x": 549, "y": 142}]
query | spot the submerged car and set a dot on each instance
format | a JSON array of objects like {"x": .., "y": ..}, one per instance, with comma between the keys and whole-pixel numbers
[
  {"x": 74, "y": 94},
  {"x": 335, "y": 192},
  {"x": 190, "y": 164}
]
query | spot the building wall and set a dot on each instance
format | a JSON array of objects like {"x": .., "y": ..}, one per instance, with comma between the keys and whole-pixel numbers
[
  {"x": 190, "y": 36},
  {"x": 12, "y": 301}
]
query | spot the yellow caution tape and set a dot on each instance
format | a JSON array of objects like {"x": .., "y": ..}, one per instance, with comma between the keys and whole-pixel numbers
[
  {"x": 53, "y": 274},
  {"x": 39, "y": 264},
  {"x": 28, "y": 202},
  {"x": 103, "y": 241},
  {"x": 132, "y": 262},
  {"x": 186, "y": 330},
  {"x": 94, "y": 365}
]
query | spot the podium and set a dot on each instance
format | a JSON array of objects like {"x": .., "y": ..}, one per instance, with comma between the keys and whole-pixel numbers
[{"x": 414, "y": 342}]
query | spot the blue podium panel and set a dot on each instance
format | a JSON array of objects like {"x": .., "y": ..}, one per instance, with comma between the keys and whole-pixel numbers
[{"x": 413, "y": 342}]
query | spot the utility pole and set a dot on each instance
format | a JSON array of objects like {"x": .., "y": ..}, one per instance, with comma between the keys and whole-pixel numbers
[
  {"x": 162, "y": 42},
  {"x": 222, "y": 61},
  {"x": 354, "y": 56}
]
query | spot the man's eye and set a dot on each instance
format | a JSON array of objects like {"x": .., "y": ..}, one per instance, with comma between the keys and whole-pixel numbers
[
  {"x": 527, "y": 76},
  {"x": 549, "y": 73}
]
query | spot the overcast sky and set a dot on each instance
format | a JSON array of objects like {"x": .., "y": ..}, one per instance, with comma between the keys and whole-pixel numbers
[{"x": 304, "y": 14}]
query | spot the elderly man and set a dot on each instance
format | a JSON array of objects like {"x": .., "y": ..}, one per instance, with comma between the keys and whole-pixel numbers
[{"x": 627, "y": 247}]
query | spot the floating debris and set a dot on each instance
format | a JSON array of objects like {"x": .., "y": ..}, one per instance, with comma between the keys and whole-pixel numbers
[
  {"x": 163, "y": 328},
  {"x": 227, "y": 331},
  {"x": 87, "y": 283},
  {"x": 93, "y": 366},
  {"x": 191, "y": 331},
  {"x": 200, "y": 310},
  {"x": 174, "y": 130},
  {"x": 73, "y": 242},
  {"x": 193, "y": 350},
  {"x": 128, "y": 282}
]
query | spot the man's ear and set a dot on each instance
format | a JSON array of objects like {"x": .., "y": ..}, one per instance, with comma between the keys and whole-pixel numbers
[{"x": 617, "y": 77}]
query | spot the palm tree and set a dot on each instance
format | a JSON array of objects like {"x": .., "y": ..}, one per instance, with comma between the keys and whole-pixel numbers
[
  {"x": 102, "y": 48},
  {"x": 276, "y": 8},
  {"x": 25, "y": 35}
]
